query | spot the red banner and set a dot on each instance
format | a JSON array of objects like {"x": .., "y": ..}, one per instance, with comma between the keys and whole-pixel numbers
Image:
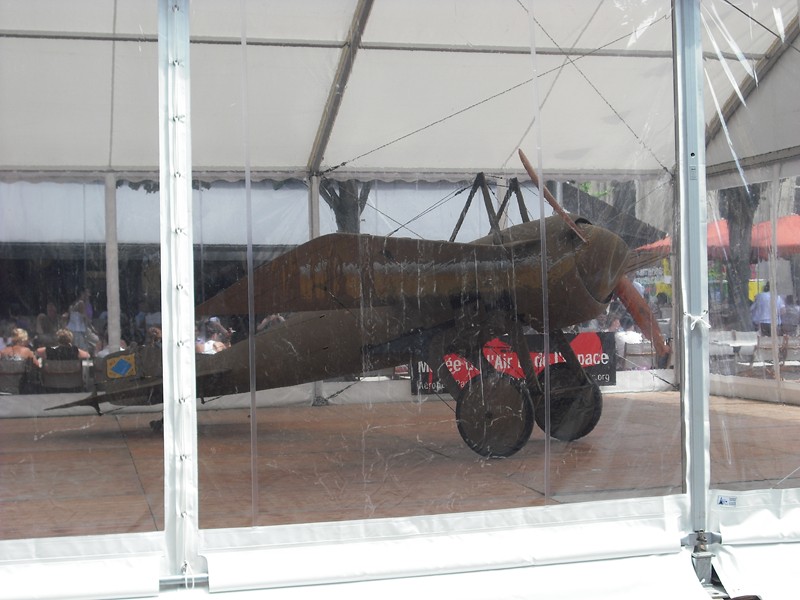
[{"x": 595, "y": 352}]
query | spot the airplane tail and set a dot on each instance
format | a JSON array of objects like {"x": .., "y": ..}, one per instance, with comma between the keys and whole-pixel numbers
[{"x": 93, "y": 401}]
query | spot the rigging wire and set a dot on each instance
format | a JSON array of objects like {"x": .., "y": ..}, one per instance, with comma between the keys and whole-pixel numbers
[
  {"x": 508, "y": 90},
  {"x": 428, "y": 210},
  {"x": 512, "y": 155},
  {"x": 494, "y": 97},
  {"x": 602, "y": 97},
  {"x": 432, "y": 207}
]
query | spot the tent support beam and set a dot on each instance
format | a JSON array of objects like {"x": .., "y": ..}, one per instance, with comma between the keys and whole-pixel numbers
[
  {"x": 756, "y": 161},
  {"x": 749, "y": 85},
  {"x": 336, "y": 92}
]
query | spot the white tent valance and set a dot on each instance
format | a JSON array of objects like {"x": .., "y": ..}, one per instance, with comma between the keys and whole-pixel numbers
[{"x": 379, "y": 90}]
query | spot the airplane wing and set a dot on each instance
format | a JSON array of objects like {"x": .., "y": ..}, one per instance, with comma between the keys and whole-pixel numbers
[
  {"x": 146, "y": 392},
  {"x": 136, "y": 393}
]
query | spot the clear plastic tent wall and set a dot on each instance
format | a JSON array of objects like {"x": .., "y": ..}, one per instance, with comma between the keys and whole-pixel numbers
[{"x": 336, "y": 329}]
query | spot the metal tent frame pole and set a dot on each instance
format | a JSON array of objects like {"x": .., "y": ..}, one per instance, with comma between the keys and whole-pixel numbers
[
  {"x": 181, "y": 522},
  {"x": 690, "y": 133}
]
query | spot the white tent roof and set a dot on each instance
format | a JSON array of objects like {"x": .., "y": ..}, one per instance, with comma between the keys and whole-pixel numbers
[{"x": 437, "y": 89}]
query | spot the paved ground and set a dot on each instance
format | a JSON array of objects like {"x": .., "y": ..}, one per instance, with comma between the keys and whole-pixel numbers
[{"x": 77, "y": 475}]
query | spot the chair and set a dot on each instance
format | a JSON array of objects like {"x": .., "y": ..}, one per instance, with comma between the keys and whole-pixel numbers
[
  {"x": 744, "y": 344},
  {"x": 721, "y": 352},
  {"x": 639, "y": 356},
  {"x": 790, "y": 367},
  {"x": 12, "y": 373},
  {"x": 762, "y": 360},
  {"x": 150, "y": 361},
  {"x": 63, "y": 376},
  {"x": 722, "y": 337}
]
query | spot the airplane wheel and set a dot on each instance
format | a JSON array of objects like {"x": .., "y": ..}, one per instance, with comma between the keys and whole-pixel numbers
[
  {"x": 494, "y": 414},
  {"x": 574, "y": 409}
]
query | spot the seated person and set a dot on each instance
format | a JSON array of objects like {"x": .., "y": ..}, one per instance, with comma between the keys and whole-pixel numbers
[
  {"x": 216, "y": 338},
  {"x": 217, "y": 343},
  {"x": 153, "y": 337},
  {"x": 65, "y": 350},
  {"x": 47, "y": 323},
  {"x": 19, "y": 350},
  {"x": 103, "y": 349},
  {"x": 790, "y": 317}
]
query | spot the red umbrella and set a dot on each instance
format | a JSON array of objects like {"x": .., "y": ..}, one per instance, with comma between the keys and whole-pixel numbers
[
  {"x": 718, "y": 241},
  {"x": 788, "y": 230}
]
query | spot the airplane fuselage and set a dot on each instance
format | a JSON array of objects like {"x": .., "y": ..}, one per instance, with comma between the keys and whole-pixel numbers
[{"x": 380, "y": 297}]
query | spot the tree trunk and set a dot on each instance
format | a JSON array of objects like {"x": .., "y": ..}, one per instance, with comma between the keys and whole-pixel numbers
[
  {"x": 347, "y": 202},
  {"x": 624, "y": 196},
  {"x": 739, "y": 205}
]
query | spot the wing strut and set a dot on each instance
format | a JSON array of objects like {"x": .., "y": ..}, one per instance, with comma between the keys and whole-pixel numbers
[
  {"x": 494, "y": 219},
  {"x": 513, "y": 187}
]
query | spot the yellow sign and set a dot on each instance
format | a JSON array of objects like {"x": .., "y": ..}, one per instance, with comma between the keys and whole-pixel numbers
[
  {"x": 754, "y": 286},
  {"x": 120, "y": 367}
]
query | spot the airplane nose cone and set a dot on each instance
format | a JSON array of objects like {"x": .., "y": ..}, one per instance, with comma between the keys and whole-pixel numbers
[{"x": 601, "y": 261}]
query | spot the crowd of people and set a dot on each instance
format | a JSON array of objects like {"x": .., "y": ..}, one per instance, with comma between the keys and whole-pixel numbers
[
  {"x": 80, "y": 331},
  {"x": 47, "y": 335},
  {"x": 50, "y": 332}
]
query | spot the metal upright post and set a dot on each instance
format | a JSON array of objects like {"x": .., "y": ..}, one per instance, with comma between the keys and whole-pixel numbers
[
  {"x": 181, "y": 521},
  {"x": 317, "y": 398},
  {"x": 112, "y": 264},
  {"x": 313, "y": 207},
  {"x": 690, "y": 129}
]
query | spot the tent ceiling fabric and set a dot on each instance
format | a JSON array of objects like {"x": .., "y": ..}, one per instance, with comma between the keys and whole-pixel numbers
[{"x": 437, "y": 90}]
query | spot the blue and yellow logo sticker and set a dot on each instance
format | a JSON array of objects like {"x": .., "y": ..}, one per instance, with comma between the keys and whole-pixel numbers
[{"x": 120, "y": 367}]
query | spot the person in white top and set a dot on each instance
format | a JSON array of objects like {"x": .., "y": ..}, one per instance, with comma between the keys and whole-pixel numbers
[
  {"x": 78, "y": 323},
  {"x": 761, "y": 311}
]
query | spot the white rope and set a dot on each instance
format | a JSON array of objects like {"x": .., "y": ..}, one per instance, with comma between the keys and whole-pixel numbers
[
  {"x": 698, "y": 320},
  {"x": 188, "y": 575}
]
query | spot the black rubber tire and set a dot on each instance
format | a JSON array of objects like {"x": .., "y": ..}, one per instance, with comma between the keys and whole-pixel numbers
[
  {"x": 494, "y": 414},
  {"x": 575, "y": 410}
]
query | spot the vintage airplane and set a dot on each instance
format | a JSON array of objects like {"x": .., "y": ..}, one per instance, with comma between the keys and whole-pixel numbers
[{"x": 359, "y": 303}]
